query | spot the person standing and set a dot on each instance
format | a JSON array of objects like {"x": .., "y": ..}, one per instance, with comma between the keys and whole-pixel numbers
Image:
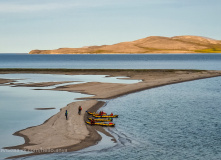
[
  {"x": 79, "y": 110},
  {"x": 66, "y": 114}
]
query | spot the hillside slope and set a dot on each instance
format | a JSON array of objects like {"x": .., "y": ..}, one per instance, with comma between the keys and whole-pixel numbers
[{"x": 153, "y": 44}]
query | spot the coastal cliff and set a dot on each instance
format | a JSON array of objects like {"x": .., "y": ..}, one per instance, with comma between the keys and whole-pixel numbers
[{"x": 153, "y": 44}]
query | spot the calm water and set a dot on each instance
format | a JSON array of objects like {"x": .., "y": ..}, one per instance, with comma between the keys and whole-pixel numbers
[
  {"x": 179, "y": 121},
  {"x": 167, "y": 61},
  {"x": 17, "y": 104}
]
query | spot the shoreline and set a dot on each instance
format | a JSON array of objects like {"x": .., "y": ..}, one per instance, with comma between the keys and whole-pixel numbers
[
  {"x": 150, "y": 80},
  {"x": 90, "y": 140},
  {"x": 153, "y": 53}
]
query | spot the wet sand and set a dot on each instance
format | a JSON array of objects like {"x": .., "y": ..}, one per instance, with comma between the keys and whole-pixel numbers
[
  {"x": 44, "y": 108},
  {"x": 60, "y": 135},
  {"x": 3, "y": 81}
]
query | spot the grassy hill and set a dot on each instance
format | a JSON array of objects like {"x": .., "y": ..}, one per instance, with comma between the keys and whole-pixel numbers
[{"x": 153, "y": 44}]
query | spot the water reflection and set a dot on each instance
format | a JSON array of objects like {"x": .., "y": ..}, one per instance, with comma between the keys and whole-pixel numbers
[{"x": 17, "y": 104}]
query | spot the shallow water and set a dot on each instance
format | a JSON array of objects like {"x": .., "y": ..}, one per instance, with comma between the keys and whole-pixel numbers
[
  {"x": 17, "y": 104},
  {"x": 37, "y": 78},
  {"x": 179, "y": 121},
  {"x": 17, "y": 110}
]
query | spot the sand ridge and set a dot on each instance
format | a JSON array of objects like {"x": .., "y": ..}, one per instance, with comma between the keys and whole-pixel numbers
[
  {"x": 58, "y": 134},
  {"x": 73, "y": 134},
  {"x": 150, "y": 79}
]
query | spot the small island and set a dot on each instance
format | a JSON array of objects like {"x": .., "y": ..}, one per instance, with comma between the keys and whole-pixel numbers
[{"x": 152, "y": 44}]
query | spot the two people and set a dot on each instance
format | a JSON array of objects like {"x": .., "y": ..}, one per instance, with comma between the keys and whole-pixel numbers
[
  {"x": 79, "y": 112},
  {"x": 101, "y": 113}
]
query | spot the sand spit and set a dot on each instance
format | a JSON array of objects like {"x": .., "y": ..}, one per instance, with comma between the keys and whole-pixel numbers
[
  {"x": 43, "y": 84},
  {"x": 3, "y": 81},
  {"x": 150, "y": 79},
  {"x": 60, "y": 135}
]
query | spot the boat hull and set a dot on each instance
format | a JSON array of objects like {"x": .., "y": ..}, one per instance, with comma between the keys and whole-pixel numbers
[
  {"x": 102, "y": 124},
  {"x": 101, "y": 120}
]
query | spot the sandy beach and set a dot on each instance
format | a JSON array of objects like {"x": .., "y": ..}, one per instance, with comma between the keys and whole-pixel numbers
[{"x": 60, "y": 135}]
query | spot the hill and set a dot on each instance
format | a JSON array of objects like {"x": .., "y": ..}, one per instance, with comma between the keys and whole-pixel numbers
[{"x": 153, "y": 44}]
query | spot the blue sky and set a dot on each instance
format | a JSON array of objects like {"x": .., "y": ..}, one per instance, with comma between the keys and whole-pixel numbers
[{"x": 52, "y": 24}]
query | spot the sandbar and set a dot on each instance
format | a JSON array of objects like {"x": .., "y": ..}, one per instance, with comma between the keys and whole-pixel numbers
[{"x": 60, "y": 135}]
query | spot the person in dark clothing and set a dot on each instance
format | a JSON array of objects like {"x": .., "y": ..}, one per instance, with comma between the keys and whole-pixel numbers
[
  {"x": 79, "y": 110},
  {"x": 66, "y": 114}
]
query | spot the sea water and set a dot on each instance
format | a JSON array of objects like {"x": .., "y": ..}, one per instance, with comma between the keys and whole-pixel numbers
[
  {"x": 179, "y": 121},
  {"x": 111, "y": 61}
]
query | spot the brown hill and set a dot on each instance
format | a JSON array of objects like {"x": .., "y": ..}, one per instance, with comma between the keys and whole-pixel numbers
[{"x": 153, "y": 44}]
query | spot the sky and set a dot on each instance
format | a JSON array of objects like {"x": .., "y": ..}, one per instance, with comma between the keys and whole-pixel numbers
[{"x": 50, "y": 24}]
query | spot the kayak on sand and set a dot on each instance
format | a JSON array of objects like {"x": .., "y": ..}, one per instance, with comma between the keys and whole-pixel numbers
[
  {"x": 101, "y": 124},
  {"x": 101, "y": 120},
  {"x": 105, "y": 116}
]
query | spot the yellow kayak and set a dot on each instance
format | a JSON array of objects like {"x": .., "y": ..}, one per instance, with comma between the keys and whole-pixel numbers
[
  {"x": 101, "y": 124},
  {"x": 105, "y": 116},
  {"x": 101, "y": 120}
]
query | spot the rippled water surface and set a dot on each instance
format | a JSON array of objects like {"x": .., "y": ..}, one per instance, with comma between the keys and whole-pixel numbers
[
  {"x": 179, "y": 121},
  {"x": 121, "y": 61}
]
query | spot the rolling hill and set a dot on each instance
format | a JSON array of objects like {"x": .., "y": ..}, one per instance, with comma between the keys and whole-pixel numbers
[{"x": 153, "y": 44}]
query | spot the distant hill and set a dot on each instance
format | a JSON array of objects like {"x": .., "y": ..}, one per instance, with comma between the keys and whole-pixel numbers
[{"x": 153, "y": 44}]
